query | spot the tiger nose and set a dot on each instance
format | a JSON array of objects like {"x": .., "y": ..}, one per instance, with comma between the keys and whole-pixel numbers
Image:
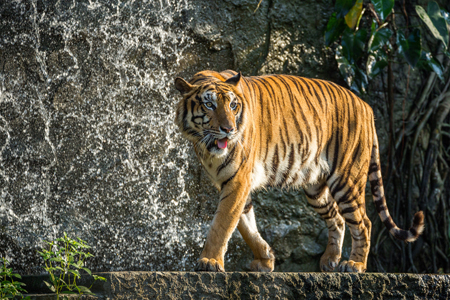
[{"x": 226, "y": 129}]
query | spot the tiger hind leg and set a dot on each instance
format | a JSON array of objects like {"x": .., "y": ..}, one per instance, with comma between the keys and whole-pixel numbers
[
  {"x": 264, "y": 258},
  {"x": 319, "y": 198},
  {"x": 351, "y": 203}
]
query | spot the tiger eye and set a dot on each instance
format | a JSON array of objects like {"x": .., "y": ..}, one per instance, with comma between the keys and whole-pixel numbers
[{"x": 233, "y": 105}]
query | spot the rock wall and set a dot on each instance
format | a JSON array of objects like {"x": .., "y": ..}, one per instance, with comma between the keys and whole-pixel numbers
[
  {"x": 87, "y": 140},
  {"x": 185, "y": 285}
]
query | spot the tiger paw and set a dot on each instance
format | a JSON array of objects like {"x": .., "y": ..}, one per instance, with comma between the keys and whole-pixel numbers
[
  {"x": 262, "y": 265},
  {"x": 352, "y": 266},
  {"x": 209, "y": 265},
  {"x": 329, "y": 262}
]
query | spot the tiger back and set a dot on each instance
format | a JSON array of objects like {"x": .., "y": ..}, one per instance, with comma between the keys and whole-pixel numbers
[{"x": 285, "y": 131}]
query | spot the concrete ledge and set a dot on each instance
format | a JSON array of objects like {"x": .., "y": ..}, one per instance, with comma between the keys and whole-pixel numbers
[{"x": 239, "y": 285}]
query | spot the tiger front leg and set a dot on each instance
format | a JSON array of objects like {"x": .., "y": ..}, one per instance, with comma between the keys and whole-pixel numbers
[
  {"x": 264, "y": 258},
  {"x": 233, "y": 196}
]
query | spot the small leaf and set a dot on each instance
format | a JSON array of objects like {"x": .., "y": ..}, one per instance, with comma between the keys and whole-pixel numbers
[
  {"x": 379, "y": 39},
  {"x": 410, "y": 48},
  {"x": 342, "y": 7},
  {"x": 352, "y": 17},
  {"x": 51, "y": 287},
  {"x": 434, "y": 21},
  {"x": 56, "y": 259},
  {"x": 17, "y": 276},
  {"x": 335, "y": 27},
  {"x": 446, "y": 16},
  {"x": 353, "y": 44},
  {"x": 429, "y": 63},
  {"x": 75, "y": 272},
  {"x": 96, "y": 277},
  {"x": 87, "y": 270},
  {"x": 345, "y": 68},
  {"x": 383, "y": 8},
  {"x": 85, "y": 290},
  {"x": 360, "y": 81}
]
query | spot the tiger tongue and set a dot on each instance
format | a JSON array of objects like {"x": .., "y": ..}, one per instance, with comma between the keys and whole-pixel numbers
[{"x": 222, "y": 143}]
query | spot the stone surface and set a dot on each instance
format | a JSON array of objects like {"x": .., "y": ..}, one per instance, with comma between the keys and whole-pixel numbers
[
  {"x": 185, "y": 285},
  {"x": 87, "y": 140}
]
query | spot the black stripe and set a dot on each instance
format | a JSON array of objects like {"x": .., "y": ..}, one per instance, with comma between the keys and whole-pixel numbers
[
  {"x": 283, "y": 143},
  {"x": 401, "y": 235},
  {"x": 349, "y": 210},
  {"x": 375, "y": 185},
  {"x": 305, "y": 122},
  {"x": 275, "y": 162},
  {"x": 332, "y": 216},
  {"x": 289, "y": 168},
  {"x": 350, "y": 221},
  {"x": 228, "y": 180},
  {"x": 288, "y": 89},
  {"x": 320, "y": 206},
  {"x": 247, "y": 208},
  {"x": 232, "y": 176},
  {"x": 288, "y": 141},
  {"x": 380, "y": 205},
  {"x": 374, "y": 167},
  {"x": 231, "y": 193},
  {"x": 230, "y": 156},
  {"x": 389, "y": 223}
]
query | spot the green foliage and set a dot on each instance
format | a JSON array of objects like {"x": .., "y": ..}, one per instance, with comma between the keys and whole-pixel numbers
[
  {"x": 383, "y": 8},
  {"x": 9, "y": 288},
  {"x": 63, "y": 261},
  {"x": 410, "y": 47},
  {"x": 335, "y": 27},
  {"x": 384, "y": 43},
  {"x": 342, "y": 7},
  {"x": 434, "y": 21}
]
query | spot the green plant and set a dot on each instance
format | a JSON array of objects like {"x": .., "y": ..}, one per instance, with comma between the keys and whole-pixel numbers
[
  {"x": 384, "y": 42},
  {"x": 9, "y": 288},
  {"x": 63, "y": 261}
]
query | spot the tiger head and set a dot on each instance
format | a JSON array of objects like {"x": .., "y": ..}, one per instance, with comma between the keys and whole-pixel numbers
[{"x": 210, "y": 113}]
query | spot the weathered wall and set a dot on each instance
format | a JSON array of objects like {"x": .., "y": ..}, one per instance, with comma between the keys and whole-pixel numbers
[
  {"x": 182, "y": 285},
  {"x": 87, "y": 140}
]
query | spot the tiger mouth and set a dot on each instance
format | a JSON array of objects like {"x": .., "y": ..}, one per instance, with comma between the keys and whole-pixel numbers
[{"x": 221, "y": 143}]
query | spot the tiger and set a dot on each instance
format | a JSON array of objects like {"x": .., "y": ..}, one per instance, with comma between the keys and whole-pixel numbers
[{"x": 285, "y": 131}]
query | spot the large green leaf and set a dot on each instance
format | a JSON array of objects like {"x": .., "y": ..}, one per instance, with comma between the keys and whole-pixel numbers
[
  {"x": 335, "y": 27},
  {"x": 434, "y": 21},
  {"x": 379, "y": 39},
  {"x": 352, "y": 17},
  {"x": 429, "y": 63},
  {"x": 383, "y": 8},
  {"x": 410, "y": 47},
  {"x": 342, "y": 7},
  {"x": 353, "y": 44}
]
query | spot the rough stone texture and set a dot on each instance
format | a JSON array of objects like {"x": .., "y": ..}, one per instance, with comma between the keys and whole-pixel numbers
[
  {"x": 87, "y": 140},
  {"x": 181, "y": 285}
]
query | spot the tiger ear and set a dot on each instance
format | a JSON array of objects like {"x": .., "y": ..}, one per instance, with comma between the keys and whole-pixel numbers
[
  {"x": 235, "y": 79},
  {"x": 183, "y": 86}
]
